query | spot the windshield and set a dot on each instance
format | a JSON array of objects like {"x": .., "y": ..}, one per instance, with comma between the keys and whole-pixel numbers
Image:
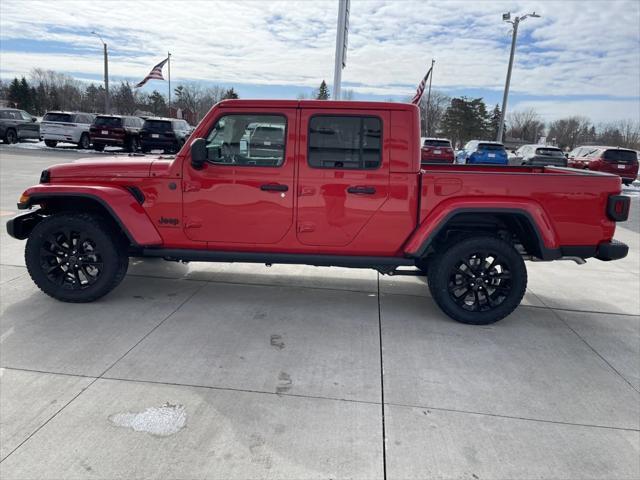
[
  {"x": 621, "y": 156},
  {"x": 108, "y": 121},
  {"x": 550, "y": 152},
  {"x": 490, "y": 146},
  {"x": 437, "y": 143},
  {"x": 157, "y": 125},
  {"x": 57, "y": 117}
]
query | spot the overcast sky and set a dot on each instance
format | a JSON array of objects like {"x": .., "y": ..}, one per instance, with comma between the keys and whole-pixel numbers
[{"x": 581, "y": 57}]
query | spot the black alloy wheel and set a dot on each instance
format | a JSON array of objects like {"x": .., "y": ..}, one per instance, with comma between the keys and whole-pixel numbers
[
  {"x": 71, "y": 258},
  {"x": 479, "y": 282}
]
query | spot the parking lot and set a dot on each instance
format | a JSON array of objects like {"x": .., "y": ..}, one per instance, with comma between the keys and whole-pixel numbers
[{"x": 247, "y": 371}]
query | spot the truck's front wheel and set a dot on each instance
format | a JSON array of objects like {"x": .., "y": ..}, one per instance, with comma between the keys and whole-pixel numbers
[
  {"x": 75, "y": 257},
  {"x": 479, "y": 280}
]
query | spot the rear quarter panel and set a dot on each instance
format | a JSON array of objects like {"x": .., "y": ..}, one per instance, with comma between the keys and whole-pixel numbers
[{"x": 570, "y": 206}]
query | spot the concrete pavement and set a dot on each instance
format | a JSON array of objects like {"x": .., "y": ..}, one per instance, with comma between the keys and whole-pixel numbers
[{"x": 305, "y": 372}]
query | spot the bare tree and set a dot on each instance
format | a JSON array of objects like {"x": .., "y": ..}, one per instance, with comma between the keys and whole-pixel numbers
[
  {"x": 570, "y": 132},
  {"x": 622, "y": 133},
  {"x": 525, "y": 125},
  {"x": 432, "y": 112}
]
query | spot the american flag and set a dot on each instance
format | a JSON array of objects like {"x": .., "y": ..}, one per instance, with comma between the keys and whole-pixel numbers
[
  {"x": 155, "y": 73},
  {"x": 416, "y": 98}
]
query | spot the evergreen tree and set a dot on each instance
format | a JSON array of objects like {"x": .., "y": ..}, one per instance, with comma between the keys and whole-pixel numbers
[
  {"x": 494, "y": 122},
  {"x": 26, "y": 102},
  {"x": 466, "y": 120},
  {"x": 323, "y": 91},
  {"x": 158, "y": 104},
  {"x": 14, "y": 93}
]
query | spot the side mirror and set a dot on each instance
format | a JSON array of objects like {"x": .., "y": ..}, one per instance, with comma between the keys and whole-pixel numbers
[
  {"x": 566, "y": 155},
  {"x": 198, "y": 153},
  {"x": 34, "y": 119}
]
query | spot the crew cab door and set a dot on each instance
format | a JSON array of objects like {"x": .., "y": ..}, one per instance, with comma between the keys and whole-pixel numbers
[
  {"x": 244, "y": 193},
  {"x": 343, "y": 174}
]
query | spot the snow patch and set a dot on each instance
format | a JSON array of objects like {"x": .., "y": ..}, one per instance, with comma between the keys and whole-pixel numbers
[{"x": 160, "y": 421}]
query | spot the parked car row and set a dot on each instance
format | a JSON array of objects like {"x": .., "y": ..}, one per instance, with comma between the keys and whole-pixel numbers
[
  {"x": 619, "y": 161},
  {"x": 86, "y": 129}
]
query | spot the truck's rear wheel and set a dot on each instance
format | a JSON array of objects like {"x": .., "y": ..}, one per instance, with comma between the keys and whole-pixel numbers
[
  {"x": 75, "y": 257},
  {"x": 479, "y": 280}
]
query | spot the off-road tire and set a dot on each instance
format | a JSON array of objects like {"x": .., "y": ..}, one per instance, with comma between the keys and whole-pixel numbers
[
  {"x": 90, "y": 241},
  {"x": 51, "y": 143},
  {"x": 444, "y": 275}
]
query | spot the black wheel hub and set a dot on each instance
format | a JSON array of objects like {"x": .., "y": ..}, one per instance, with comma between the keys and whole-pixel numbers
[
  {"x": 71, "y": 259},
  {"x": 480, "y": 282}
]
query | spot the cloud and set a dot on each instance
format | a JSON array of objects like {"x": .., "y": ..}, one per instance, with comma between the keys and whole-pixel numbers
[{"x": 586, "y": 48}]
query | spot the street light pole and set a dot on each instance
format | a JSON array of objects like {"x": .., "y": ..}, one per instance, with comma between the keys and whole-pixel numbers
[
  {"x": 106, "y": 74},
  {"x": 515, "y": 22}
]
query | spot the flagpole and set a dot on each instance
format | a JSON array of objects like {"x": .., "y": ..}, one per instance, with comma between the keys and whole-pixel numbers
[
  {"x": 428, "y": 132},
  {"x": 169, "y": 57}
]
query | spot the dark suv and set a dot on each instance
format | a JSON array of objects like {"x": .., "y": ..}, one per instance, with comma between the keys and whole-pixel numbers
[
  {"x": 167, "y": 134},
  {"x": 116, "y": 130},
  {"x": 16, "y": 125}
]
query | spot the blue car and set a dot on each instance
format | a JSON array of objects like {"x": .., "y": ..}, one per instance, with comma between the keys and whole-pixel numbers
[{"x": 478, "y": 152}]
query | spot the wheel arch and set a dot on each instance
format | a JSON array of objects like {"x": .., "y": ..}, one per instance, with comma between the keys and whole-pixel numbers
[
  {"x": 119, "y": 206},
  {"x": 460, "y": 222}
]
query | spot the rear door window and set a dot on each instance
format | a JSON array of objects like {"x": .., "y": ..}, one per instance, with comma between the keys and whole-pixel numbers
[
  {"x": 58, "y": 117},
  {"x": 549, "y": 152},
  {"x": 437, "y": 143},
  {"x": 491, "y": 146},
  {"x": 157, "y": 126},
  {"x": 345, "y": 142},
  {"x": 108, "y": 122},
  {"x": 621, "y": 156}
]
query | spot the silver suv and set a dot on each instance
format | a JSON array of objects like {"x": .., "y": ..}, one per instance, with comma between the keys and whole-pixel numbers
[
  {"x": 71, "y": 127},
  {"x": 539, "y": 156}
]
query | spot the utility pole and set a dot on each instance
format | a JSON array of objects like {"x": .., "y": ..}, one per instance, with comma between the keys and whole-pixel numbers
[
  {"x": 507, "y": 18},
  {"x": 107, "y": 106},
  {"x": 342, "y": 34},
  {"x": 428, "y": 132}
]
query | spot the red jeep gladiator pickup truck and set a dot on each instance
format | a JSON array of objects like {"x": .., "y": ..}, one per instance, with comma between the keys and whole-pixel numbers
[{"x": 321, "y": 183}]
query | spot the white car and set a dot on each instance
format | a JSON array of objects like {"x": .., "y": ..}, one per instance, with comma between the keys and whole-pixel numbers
[{"x": 71, "y": 127}]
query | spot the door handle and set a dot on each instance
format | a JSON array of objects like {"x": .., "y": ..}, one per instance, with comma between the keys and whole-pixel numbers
[
  {"x": 274, "y": 187},
  {"x": 361, "y": 190}
]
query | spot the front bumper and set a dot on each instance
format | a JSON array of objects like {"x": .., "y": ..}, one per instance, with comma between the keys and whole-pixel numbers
[
  {"x": 59, "y": 137},
  {"x": 20, "y": 226},
  {"x": 613, "y": 250}
]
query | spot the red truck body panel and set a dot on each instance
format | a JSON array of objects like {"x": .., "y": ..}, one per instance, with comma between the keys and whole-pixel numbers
[{"x": 225, "y": 208}]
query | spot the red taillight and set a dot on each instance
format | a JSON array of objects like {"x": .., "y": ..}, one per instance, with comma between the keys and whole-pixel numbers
[{"x": 618, "y": 207}]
